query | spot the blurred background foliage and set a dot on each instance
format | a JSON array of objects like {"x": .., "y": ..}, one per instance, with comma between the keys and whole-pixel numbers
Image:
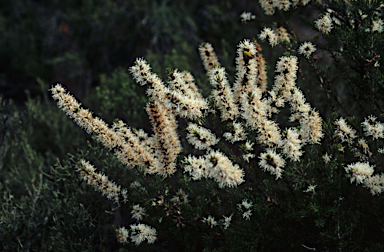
[
  {"x": 87, "y": 46},
  {"x": 75, "y": 41}
]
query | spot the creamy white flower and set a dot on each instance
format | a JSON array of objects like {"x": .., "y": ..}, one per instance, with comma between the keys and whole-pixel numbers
[
  {"x": 373, "y": 128},
  {"x": 272, "y": 162},
  {"x": 246, "y": 16},
  {"x": 247, "y": 156},
  {"x": 327, "y": 158},
  {"x": 247, "y": 214},
  {"x": 272, "y": 37},
  {"x": 101, "y": 183},
  {"x": 324, "y": 24},
  {"x": 196, "y": 167},
  {"x": 220, "y": 168},
  {"x": 246, "y": 208},
  {"x": 208, "y": 56},
  {"x": 307, "y": 48},
  {"x": 311, "y": 188},
  {"x": 122, "y": 235},
  {"x": 210, "y": 221},
  {"x": 375, "y": 184},
  {"x": 141, "y": 70},
  {"x": 200, "y": 137},
  {"x": 142, "y": 232},
  {"x": 181, "y": 197},
  {"x": 291, "y": 144},
  {"x": 137, "y": 212},
  {"x": 378, "y": 25},
  {"x": 359, "y": 171},
  {"x": 135, "y": 184},
  {"x": 246, "y": 204},
  {"x": 237, "y": 133},
  {"x": 227, "y": 221},
  {"x": 344, "y": 132}
]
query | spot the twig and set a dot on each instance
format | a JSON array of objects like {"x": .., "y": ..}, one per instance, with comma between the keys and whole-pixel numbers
[{"x": 313, "y": 249}]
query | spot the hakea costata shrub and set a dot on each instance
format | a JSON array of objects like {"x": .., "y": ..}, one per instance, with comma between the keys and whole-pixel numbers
[{"x": 246, "y": 106}]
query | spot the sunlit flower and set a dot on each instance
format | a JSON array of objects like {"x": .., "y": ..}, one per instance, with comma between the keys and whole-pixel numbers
[
  {"x": 246, "y": 16},
  {"x": 227, "y": 221},
  {"x": 137, "y": 212},
  {"x": 373, "y": 128},
  {"x": 359, "y": 171},
  {"x": 344, "y": 132},
  {"x": 142, "y": 232},
  {"x": 122, "y": 235},
  {"x": 272, "y": 162},
  {"x": 307, "y": 48},
  {"x": 311, "y": 188},
  {"x": 327, "y": 158},
  {"x": 378, "y": 25},
  {"x": 210, "y": 221},
  {"x": 324, "y": 24},
  {"x": 272, "y": 37}
]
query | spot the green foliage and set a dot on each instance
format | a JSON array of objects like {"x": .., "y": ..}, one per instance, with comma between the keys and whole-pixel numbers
[
  {"x": 43, "y": 208},
  {"x": 73, "y": 42},
  {"x": 119, "y": 96}
]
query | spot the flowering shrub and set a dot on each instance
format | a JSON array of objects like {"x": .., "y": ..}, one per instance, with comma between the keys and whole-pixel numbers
[{"x": 254, "y": 166}]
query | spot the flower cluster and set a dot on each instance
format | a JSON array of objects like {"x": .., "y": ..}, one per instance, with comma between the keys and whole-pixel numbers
[
  {"x": 200, "y": 137},
  {"x": 247, "y": 16},
  {"x": 126, "y": 144},
  {"x": 269, "y": 6},
  {"x": 181, "y": 197},
  {"x": 222, "y": 170},
  {"x": 362, "y": 173},
  {"x": 162, "y": 113},
  {"x": 324, "y": 24},
  {"x": 122, "y": 235},
  {"x": 222, "y": 93},
  {"x": 272, "y": 162},
  {"x": 247, "y": 107},
  {"x": 378, "y": 25},
  {"x": 196, "y": 167},
  {"x": 270, "y": 35},
  {"x": 311, "y": 188},
  {"x": 183, "y": 96},
  {"x": 237, "y": 133},
  {"x": 227, "y": 221},
  {"x": 158, "y": 153},
  {"x": 275, "y": 36},
  {"x": 101, "y": 183},
  {"x": 139, "y": 233},
  {"x": 307, "y": 48},
  {"x": 248, "y": 149},
  {"x": 137, "y": 212},
  {"x": 246, "y": 208},
  {"x": 214, "y": 165},
  {"x": 373, "y": 128},
  {"x": 210, "y": 221},
  {"x": 291, "y": 144},
  {"x": 208, "y": 56},
  {"x": 344, "y": 132},
  {"x": 327, "y": 158},
  {"x": 248, "y": 112},
  {"x": 247, "y": 71}
]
